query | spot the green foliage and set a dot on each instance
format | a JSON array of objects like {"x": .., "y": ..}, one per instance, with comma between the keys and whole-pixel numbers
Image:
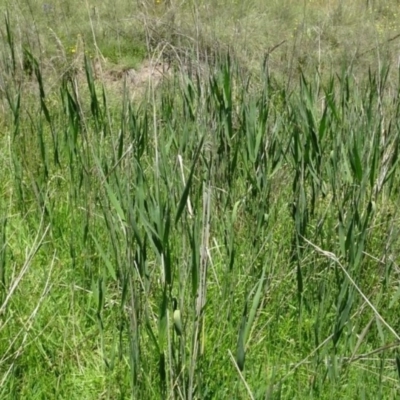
[{"x": 228, "y": 236}]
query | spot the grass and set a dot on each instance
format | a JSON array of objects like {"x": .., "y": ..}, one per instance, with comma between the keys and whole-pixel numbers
[{"x": 254, "y": 190}]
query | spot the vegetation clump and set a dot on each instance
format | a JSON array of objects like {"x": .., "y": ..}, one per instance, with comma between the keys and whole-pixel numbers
[{"x": 199, "y": 210}]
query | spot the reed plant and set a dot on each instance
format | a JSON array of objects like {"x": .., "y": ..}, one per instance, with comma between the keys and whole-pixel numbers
[{"x": 227, "y": 235}]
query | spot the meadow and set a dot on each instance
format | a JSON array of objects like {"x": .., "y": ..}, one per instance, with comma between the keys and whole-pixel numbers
[{"x": 198, "y": 200}]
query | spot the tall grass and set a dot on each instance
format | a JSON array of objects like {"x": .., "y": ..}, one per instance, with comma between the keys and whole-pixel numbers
[{"x": 228, "y": 236}]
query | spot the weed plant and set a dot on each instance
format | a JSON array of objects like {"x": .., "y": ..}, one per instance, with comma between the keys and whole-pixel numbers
[{"x": 230, "y": 235}]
